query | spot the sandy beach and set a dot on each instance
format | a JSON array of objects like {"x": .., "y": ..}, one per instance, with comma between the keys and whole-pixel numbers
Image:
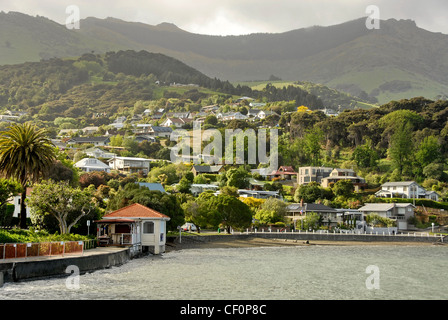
[{"x": 262, "y": 242}]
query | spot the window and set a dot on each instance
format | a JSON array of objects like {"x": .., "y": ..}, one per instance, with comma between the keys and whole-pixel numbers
[{"x": 148, "y": 227}]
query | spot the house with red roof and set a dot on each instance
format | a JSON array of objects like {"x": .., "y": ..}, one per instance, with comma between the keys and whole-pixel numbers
[
  {"x": 284, "y": 172},
  {"x": 137, "y": 226}
]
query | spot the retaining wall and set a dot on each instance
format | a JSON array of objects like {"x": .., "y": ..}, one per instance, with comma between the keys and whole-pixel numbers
[{"x": 27, "y": 270}]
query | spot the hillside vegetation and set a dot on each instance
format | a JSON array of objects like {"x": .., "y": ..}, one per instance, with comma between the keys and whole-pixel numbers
[{"x": 400, "y": 60}]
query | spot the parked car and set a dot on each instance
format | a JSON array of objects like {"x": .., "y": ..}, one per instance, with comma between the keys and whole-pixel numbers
[{"x": 189, "y": 227}]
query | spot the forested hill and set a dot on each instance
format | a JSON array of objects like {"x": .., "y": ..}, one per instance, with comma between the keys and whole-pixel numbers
[
  {"x": 397, "y": 61},
  {"x": 108, "y": 82}
]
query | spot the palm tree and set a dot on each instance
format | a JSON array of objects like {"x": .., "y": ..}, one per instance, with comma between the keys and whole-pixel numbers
[{"x": 26, "y": 154}]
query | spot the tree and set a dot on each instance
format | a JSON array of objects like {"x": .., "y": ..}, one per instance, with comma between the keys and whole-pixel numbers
[
  {"x": 401, "y": 147},
  {"x": 7, "y": 190},
  {"x": 238, "y": 178},
  {"x": 312, "y": 146},
  {"x": 312, "y": 221},
  {"x": 428, "y": 151},
  {"x": 311, "y": 192},
  {"x": 184, "y": 185},
  {"x": 68, "y": 205},
  {"x": 167, "y": 204},
  {"x": 212, "y": 211},
  {"x": 365, "y": 156},
  {"x": 344, "y": 188},
  {"x": 232, "y": 212},
  {"x": 271, "y": 211},
  {"x": 26, "y": 154}
]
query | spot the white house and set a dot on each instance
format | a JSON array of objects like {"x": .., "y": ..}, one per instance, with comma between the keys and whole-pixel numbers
[
  {"x": 177, "y": 122},
  {"x": 96, "y": 141},
  {"x": 231, "y": 116},
  {"x": 98, "y": 153},
  {"x": 137, "y": 226},
  {"x": 154, "y": 131},
  {"x": 263, "y": 114},
  {"x": 92, "y": 165},
  {"x": 130, "y": 164},
  {"x": 407, "y": 190},
  {"x": 344, "y": 174},
  {"x": 400, "y": 212},
  {"x": 197, "y": 188}
]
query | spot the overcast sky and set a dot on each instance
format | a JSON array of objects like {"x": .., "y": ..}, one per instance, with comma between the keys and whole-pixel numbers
[{"x": 234, "y": 17}]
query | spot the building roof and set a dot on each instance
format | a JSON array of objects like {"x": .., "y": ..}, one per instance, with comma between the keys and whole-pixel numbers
[
  {"x": 310, "y": 207},
  {"x": 136, "y": 210},
  {"x": 88, "y": 139},
  {"x": 129, "y": 159},
  {"x": 91, "y": 163},
  {"x": 383, "y": 206},
  {"x": 207, "y": 169},
  {"x": 398, "y": 184},
  {"x": 152, "y": 186}
]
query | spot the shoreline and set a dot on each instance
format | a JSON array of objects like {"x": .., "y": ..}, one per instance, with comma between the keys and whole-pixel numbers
[{"x": 263, "y": 242}]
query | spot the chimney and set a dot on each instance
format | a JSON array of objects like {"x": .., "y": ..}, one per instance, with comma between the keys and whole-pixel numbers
[{"x": 301, "y": 202}]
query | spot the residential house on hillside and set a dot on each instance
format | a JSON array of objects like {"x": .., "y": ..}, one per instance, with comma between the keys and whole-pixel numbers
[
  {"x": 212, "y": 108},
  {"x": 138, "y": 226},
  {"x": 179, "y": 115},
  {"x": 130, "y": 164},
  {"x": 312, "y": 174},
  {"x": 177, "y": 122},
  {"x": 152, "y": 186},
  {"x": 229, "y": 116},
  {"x": 90, "y": 130},
  {"x": 207, "y": 169},
  {"x": 400, "y": 212},
  {"x": 154, "y": 131},
  {"x": 298, "y": 211},
  {"x": 330, "y": 112},
  {"x": 96, "y": 141},
  {"x": 118, "y": 122},
  {"x": 92, "y": 165},
  {"x": 253, "y": 113},
  {"x": 344, "y": 174},
  {"x": 144, "y": 137},
  {"x": 259, "y": 194},
  {"x": 98, "y": 153},
  {"x": 257, "y": 104},
  {"x": 263, "y": 114},
  {"x": 407, "y": 190},
  {"x": 197, "y": 188},
  {"x": 16, "y": 113},
  {"x": 283, "y": 172}
]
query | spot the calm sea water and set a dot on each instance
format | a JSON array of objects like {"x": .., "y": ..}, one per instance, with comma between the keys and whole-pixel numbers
[{"x": 274, "y": 273}]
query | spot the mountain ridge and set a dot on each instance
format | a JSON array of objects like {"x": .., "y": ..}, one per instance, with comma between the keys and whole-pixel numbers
[{"x": 400, "y": 60}]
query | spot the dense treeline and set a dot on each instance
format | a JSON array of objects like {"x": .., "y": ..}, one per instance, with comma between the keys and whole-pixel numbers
[{"x": 401, "y": 140}]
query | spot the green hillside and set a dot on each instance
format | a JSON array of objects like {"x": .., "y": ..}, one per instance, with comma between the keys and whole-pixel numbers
[
  {"x": 331, "y": 98},
  {"x": 398, "y": 61}
]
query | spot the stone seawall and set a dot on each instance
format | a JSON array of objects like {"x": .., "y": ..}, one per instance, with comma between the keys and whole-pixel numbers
[{"x": 34, "y": 269}]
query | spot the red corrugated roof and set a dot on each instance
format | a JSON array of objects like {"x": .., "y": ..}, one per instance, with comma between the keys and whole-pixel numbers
[{"x": 135, "y": 210}]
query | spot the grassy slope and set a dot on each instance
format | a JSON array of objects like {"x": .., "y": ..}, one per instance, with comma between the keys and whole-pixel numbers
[{"x": 259, "y": 85}]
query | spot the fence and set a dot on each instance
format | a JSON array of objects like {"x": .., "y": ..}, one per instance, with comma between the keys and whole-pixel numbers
[
  {"x": 436, "y": 237},
  {"x": 44, "y": 249}
]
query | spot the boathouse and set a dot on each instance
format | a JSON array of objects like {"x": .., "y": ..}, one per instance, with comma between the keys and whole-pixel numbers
[{"x": 137, "y": 226}]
